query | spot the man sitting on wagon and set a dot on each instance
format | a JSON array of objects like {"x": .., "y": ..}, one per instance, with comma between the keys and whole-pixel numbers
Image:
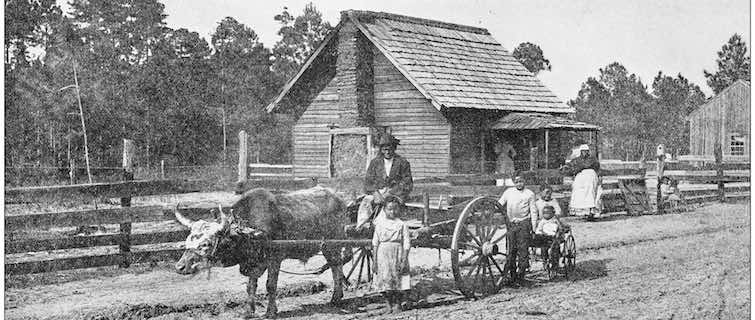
[{"x": 387, "y": 174}]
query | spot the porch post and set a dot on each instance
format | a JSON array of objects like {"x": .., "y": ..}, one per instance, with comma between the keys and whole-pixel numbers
[
  {"x": 482, "y": 151},
  {"x": 597, "y": 145},
  {"x": 546, "y": 148}
]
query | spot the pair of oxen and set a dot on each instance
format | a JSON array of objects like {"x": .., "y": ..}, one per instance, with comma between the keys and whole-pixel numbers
[{"x": 243, "y": 238}]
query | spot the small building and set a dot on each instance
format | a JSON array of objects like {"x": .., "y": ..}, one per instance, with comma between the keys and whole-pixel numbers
[
  {"x": 449, "y": 92},
  {"x": 724, "y": 119}
]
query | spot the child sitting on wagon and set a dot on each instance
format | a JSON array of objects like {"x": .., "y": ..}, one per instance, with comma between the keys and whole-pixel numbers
[
  {"x": 547, "y": 231},
  {"x": 546, "y": 199},
  {"x": 391, "y": 244}
]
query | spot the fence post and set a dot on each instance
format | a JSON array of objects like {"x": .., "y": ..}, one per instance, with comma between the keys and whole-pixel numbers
[
  {"x": 718, "y": 153},
  {"x": 661, "y": 154},
  {"x": 425, "y": 209},
  {"x": 162, "y": 169},
  {"x": 72, "y": 170},
  {"x": 128, "y": 174},
  {"x": 243, "y": 157}
]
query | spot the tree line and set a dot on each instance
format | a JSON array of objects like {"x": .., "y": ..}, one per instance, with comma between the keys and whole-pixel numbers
[
  {"x": 181, "y": 97},
  {"x": 178, "y": 96},
  {"x": 635, "y": 118}
]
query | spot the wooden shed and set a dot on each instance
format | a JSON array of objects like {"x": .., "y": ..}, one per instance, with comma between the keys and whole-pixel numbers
[
  {"x": 724, "y": 119},
  {"x": 438, "y": 87}
]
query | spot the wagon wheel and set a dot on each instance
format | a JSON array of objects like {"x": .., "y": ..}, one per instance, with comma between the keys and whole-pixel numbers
[
  {"x": 364, "y": 262},
  {"x": 551, "y": 266},
  {"x": 569, "y": 254},
  {"x": 478, "y": 248}
]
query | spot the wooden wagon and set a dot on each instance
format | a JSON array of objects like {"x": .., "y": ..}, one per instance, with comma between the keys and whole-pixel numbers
[{"x": 474, "y": 231}]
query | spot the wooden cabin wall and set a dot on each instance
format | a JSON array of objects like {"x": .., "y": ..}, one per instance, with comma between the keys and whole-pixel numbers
[
  {"x": 736, "y": 116},
  {"x": 718, "y": 119},
  {"x": 312, "y": 135},
  {"x": 422, "y": 129}
]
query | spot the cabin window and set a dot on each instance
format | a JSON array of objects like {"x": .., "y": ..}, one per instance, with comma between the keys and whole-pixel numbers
[{"x": 737, "y": 145}]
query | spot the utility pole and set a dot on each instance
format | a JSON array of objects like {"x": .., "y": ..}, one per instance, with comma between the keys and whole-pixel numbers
[
  {"x": 225, "y": 136},
  {"x": 81, "y": 117},
  {"x": 83, "y": 125}
]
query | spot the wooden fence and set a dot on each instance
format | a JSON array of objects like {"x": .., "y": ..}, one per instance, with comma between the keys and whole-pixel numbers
[{"x": 34, "y": 254}]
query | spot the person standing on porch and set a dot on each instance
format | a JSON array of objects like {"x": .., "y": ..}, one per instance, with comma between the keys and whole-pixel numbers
[
  {"x": 522, "y": 212},
  {"x": 387, "y": 174},
  {"x": 505, "y": 154},
  {"x": 584, "y": 190}
]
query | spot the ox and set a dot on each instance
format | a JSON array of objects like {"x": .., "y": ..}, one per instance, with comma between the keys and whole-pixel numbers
[{"x": 259, "y": 216}]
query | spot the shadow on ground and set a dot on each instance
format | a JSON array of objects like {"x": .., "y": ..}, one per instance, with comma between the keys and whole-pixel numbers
[
  {"x": 590, "y": 269},
  {"x": 430, "y": 291}
]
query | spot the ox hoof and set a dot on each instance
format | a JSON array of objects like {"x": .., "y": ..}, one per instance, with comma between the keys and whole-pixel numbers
[
  {"x": 336, "y": 298},
  {"x": 249, "y": 314}
]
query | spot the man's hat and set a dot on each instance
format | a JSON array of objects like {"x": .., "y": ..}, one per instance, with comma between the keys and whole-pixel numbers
[
  {"x": 584, "y": 147},
  {"x": 388, "y": 140}
]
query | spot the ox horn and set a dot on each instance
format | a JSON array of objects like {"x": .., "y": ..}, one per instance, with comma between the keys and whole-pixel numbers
[
  {"x": 183, "y": 220},
  {"x": 224, "y": 221}
]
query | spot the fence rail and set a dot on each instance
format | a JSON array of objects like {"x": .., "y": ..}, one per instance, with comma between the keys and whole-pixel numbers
[{"x": 703, "y": 183}]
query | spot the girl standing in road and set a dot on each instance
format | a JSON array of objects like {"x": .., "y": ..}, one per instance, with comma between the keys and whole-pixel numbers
[{"x": 391, "y": 244}]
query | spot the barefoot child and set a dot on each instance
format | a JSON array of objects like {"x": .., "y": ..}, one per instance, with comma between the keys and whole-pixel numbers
[{"x": 390, "y": 242}]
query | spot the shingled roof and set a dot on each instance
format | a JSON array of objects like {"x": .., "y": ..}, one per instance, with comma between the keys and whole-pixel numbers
[{"x": 454, "y": 66}]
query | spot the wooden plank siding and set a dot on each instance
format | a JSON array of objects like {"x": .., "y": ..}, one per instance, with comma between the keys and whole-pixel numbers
[
  {"x": 312, "y": 136},
  {"x": 422, "y": 129},
  {"x": 723, "y": 115}
]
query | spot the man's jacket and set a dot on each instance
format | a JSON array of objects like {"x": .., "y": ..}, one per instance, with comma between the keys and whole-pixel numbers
[{"x": 399, "y": 181}]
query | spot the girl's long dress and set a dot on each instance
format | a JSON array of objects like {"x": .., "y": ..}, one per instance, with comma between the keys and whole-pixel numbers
[{"x": 391, "y": 238}]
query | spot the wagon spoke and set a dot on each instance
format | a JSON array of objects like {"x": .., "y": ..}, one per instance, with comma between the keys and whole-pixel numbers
[
  {"x": 468, "y": 259},
  {"x": 482, "y": 263},
  {"x": 355, "y": 262},
  {"x": 480, "y": 231},
  {"x": 476, "y": 266},
  {"x": 499, "y": 238},
  {"x": 469, "y": 246},
  {"x": 361, "y": 265},
  {"x": 491, "y": 228},
  {"x": 493, "y": 278},
  {"x": 369, "y": 271},
  {"x": 497, "y": 266},
  {"x": 469, "y": 233}
]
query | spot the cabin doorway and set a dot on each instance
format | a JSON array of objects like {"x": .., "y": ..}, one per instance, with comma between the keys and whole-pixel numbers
[{"x": 350, "y": 152}]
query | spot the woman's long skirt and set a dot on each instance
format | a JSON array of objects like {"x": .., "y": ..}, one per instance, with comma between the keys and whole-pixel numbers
[{"x": 584, "y": 193}]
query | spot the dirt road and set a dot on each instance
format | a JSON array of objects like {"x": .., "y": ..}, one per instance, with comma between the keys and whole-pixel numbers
[{"x": 693, "y": 265}]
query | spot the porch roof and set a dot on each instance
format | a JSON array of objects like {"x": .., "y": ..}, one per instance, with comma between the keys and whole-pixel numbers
[{"x": 534, "y": 121}]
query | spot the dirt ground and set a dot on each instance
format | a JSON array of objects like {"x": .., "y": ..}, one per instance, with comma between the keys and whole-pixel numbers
[{"x": 694, "y": 265}]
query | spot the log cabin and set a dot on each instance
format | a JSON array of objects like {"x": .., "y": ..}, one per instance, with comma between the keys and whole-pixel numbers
[{"x": 449, "y": 92}]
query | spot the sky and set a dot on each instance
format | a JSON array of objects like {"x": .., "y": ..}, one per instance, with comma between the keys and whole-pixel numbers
[{"x": 578, "y": 36}]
